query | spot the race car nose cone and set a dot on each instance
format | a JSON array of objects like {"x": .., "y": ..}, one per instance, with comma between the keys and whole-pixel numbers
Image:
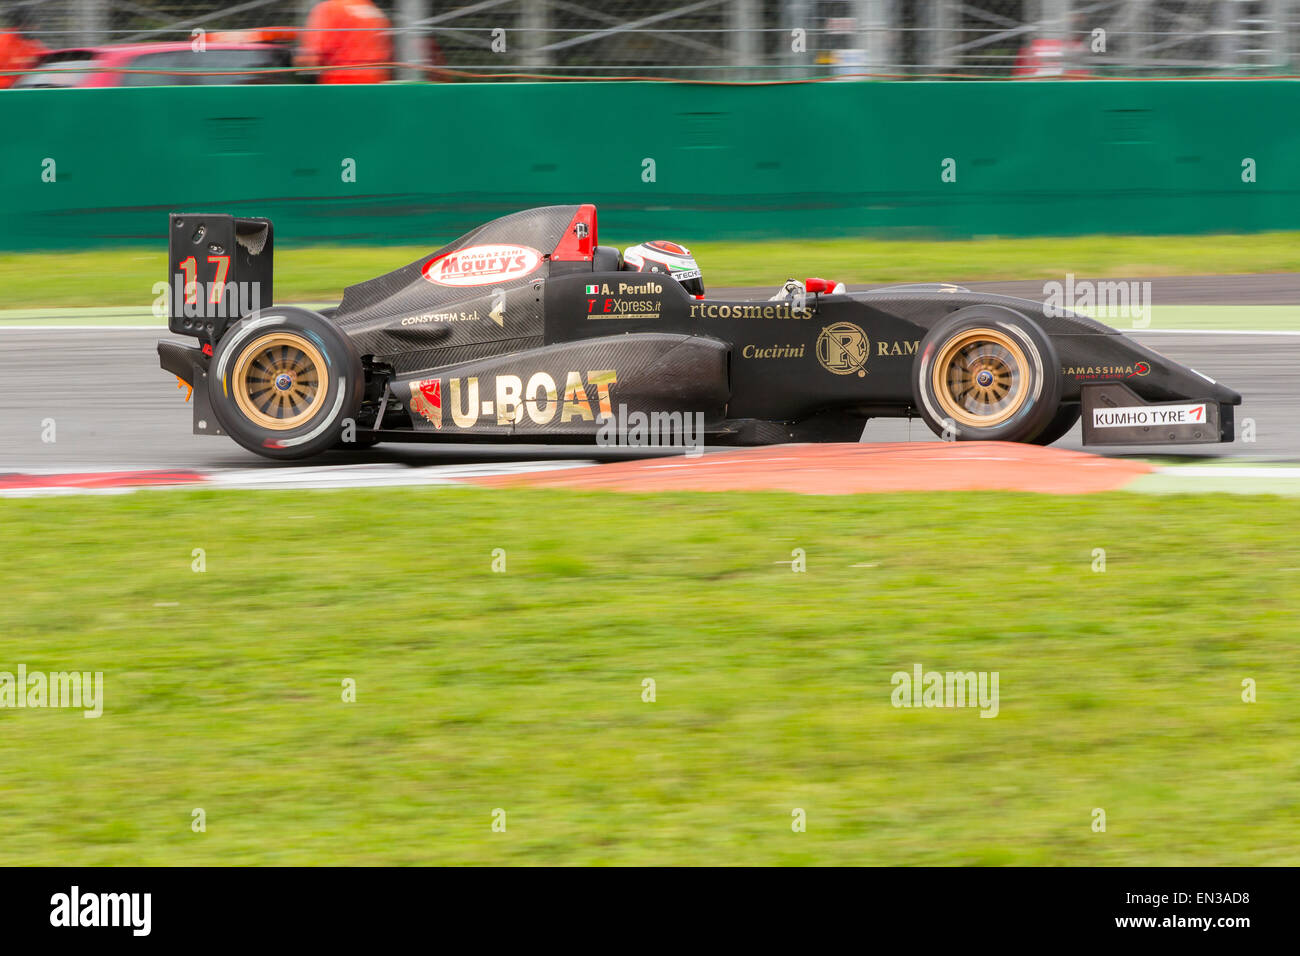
[
  {"x": 283, "y": 381},
  {"x": 984, "y": 379}
]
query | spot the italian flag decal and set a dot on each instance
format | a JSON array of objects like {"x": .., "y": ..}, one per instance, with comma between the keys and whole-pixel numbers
[
  {"x": 426, "y": 398},
  {"x": 593, "y": 290}
]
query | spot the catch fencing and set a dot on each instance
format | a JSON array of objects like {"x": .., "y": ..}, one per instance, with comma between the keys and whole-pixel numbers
[{"x": 753, "y": 39}]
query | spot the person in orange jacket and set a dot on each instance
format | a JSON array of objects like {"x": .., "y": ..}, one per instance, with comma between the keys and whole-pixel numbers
[
  {"x": 347, "y": 33},
  {"x": 17, "y": 52}
]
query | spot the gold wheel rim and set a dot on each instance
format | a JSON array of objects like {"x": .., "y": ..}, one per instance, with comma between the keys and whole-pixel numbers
[
  {"x": 279, "y": 381},
  {"x": 980, "y": 378}
]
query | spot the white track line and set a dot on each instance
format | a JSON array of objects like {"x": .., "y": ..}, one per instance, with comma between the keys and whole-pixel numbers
[
  {"x": 374, "y": 476},
  {"x": 1227, "y": 471},
  {"x": 318, "y": 477},
  {"x": 1207, "y": 332}
]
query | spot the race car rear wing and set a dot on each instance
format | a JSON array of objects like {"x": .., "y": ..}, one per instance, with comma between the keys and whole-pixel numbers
[{"x": 219, "y": 270}]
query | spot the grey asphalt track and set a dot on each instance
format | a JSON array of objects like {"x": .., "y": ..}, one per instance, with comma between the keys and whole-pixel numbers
[{"x": 114, "y": 408}]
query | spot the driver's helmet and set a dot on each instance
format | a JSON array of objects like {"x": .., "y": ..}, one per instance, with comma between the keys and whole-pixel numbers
[{"x": 668, "y": 258}]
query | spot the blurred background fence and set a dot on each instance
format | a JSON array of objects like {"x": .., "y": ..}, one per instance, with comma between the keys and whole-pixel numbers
[
  {"x": 423, "y": 162},
  {"x": 755, "y": 39}
]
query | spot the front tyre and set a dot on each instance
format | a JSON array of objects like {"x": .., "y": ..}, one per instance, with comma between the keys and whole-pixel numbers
[
  {"x": 987, "y": 373},
  {"x": 284, "y": 382}
]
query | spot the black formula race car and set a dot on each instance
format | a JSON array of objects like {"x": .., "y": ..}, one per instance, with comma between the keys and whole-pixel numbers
[{"x": 526, "y": 329}]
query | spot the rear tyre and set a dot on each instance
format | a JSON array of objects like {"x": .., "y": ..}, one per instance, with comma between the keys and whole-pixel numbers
[
  {"x": 284, "y": 383},
  {"x": 987, "y": 373},
  {"x": 1066, "y": 417}
]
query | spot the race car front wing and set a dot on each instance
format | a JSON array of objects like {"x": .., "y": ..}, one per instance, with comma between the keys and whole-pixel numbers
[{"x": 1113, "y": 414}]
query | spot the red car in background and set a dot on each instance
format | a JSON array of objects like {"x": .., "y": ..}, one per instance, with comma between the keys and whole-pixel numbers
[
  {"x": 163, "y": 64},
  {"x": 1049, "y": 58}
]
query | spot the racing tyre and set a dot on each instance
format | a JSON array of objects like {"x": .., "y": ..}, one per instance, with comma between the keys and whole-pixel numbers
[
  {"x": 283, "y": 382},
  {"x": 1066, "y": 417},
  {"x": 987, "y": 373}
]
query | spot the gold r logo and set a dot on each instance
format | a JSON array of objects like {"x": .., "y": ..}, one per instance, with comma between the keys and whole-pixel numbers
[{"x": 843, "y": 348}]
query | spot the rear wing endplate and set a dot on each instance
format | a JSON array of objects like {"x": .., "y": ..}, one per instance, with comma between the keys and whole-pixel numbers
[{"x": 219, "y": 270}]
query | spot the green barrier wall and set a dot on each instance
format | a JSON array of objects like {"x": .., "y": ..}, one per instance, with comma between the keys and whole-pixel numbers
[{"x": 1054, "y": 158}]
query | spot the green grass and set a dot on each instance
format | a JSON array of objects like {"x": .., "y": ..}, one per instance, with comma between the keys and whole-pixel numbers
[
  {"x": 522, "y": 691},
  {"x": 1162, "y": 317},
  {"x": 1221, "y": 476},
  {"x": 126, "y": 277}
]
